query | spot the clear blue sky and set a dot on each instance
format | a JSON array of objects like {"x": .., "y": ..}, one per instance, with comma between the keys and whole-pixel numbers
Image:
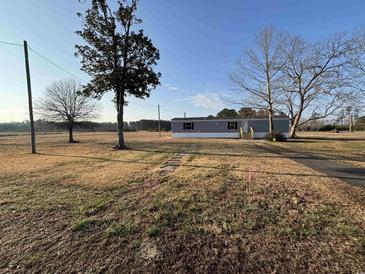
[{"x": 199, "y": 42}]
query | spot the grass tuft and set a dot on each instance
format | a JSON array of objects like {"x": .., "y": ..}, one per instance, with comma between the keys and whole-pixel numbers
[
  {"x": 124, "y": 229},
  {"x": 81, "y": 225},
  {"x": 154, "y": 230},
  {"x": 362, "y": 247}
]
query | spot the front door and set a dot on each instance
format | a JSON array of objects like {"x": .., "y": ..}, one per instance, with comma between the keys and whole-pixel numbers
[{"x": 245, "y": 126}]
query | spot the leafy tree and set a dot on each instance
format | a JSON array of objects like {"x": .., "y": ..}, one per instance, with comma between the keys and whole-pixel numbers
[
  {"x": 62, "y": 102},
  {"x": 246, "y": 112},
  {"x": 116, "y": 56},
  {"x": 227, "y": 113}
]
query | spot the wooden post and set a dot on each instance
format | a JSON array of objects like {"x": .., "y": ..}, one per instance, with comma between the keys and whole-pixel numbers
[
  {"x": 159, "y": 122},
  {"x": 350, "y": 123},
  {"x": 30, "y": 104}
]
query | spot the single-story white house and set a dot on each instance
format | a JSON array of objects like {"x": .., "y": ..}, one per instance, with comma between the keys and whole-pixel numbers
[{"x": 212, "y": 127}]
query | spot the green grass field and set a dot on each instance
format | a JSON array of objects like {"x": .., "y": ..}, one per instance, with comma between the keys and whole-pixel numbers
[{"x": 86, "y": 208}]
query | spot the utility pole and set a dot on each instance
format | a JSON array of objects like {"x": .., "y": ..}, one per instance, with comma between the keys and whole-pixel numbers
[
  {"x": 184, "y": 115},
  {"x": 29, "y": 86},
  {"x": 159, "y": 120},
  {"x": 350, "y": 123},
  {"x": 349, "y": 113}
]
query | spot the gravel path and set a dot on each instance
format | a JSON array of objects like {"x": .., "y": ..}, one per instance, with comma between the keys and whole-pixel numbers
[{"x": 174, "y": 162}]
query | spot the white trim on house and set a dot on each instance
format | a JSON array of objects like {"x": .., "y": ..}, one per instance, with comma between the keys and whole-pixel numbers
[{"x": 232, "y": 135}]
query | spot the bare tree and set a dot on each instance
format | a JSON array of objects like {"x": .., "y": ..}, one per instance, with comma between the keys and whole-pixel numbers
[
  {"x": 350, "y": 119},
  {"x": 350, "y": 111},
  {"x": 358, "y": 66},
  {"x": 316, "y": 78},
  {"x": 62, "y": 102},
  {"x": 259, "y": 73}
]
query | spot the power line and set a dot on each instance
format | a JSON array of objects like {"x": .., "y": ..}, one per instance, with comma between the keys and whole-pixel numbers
[
  {"x": 45, "y": 58},
  {"x": 142, "y": 104},
  {"x": 172, "y": 111},
  {"x": 11, "y": 44},
  {"x": 154, "y": 106},
  {"x": 56, "y": 65},
  {"x": 162, "y": 108},
  {"x": 82, "y": 80}
]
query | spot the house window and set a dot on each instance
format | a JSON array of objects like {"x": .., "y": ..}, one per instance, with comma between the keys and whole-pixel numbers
[
  {"x": 188, "y": 126},
  {"x": 232, "y": 125}
]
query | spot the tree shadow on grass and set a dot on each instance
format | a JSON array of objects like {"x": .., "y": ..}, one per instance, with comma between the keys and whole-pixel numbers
[
  {"x": 356, "y": 171},
  {"x": 314, "y": 138},
  {"x": 295, "y": 154},
  {"x": 254, "y": 153},
  {"x": 225, "y": 168}
]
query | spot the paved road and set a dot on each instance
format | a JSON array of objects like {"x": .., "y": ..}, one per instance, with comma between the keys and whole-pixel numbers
[{"x": 351, "y": 175}]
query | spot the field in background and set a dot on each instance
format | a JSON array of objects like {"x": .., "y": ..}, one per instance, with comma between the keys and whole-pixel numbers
[{"x": 86, "y": 207}]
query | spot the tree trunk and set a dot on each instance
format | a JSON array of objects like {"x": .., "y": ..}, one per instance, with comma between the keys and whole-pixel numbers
[
  {"x": 70, "y": 133},
  {"x": 271, "y": 123},
  {"x": 292, "y": 131},
  {"x": 294, "y": 125},
  {"x": 296, "y": 119},
  {"x": 268, "y": 90},
  {"x": 120, "y": 122}
]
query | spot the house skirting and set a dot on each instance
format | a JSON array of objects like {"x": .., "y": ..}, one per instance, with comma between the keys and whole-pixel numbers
[
  {"x": 232, "y": 135},
  {"x": 228, "y": 135},
  {"x": 260, "y": 135}
]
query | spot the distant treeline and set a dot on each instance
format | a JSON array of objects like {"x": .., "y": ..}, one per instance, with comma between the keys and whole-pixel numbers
[
  {"x": 322, "y": 125},
  {"x": 46, "y": 126}
]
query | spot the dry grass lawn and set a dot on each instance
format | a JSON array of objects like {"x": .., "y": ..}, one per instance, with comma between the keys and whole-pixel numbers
[
  {"x": 87, "y": 208},
  {"x": 345, "y": 147}
]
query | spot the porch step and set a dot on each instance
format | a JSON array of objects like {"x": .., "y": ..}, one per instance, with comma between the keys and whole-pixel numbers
[{"x": 246, "y": 135}]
